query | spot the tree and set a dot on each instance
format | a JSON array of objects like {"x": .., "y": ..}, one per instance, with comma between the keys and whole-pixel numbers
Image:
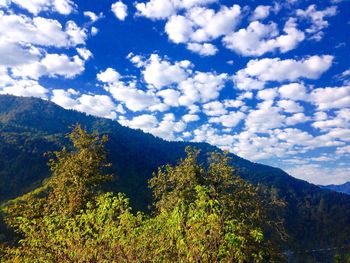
[
  {"x": 202, "y": 214},
  {"x": 76, "y": 178},
  {"x": 78, "y": 174},
  {"x": 219, "y": 211}
]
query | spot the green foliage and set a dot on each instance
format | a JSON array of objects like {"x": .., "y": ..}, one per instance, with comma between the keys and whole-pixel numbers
[
  {"x": 77, "y": 174},
  {"x": 237, "y": 209},
  {"x": 202, "y": 215}
]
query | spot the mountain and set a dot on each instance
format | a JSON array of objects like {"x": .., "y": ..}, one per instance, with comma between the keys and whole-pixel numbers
[
  {"x": 342, "y": 188},
  {"x": 315, "y": 218}
]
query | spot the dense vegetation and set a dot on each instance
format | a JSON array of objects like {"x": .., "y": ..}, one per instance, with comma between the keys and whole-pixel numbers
[
  {"x": 199, "y": 214},
  {"x": 314, "y": 218}
]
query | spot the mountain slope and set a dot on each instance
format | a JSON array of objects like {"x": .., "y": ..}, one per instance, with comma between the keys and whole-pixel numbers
[
  {"x": 342, "y": 188},
  {"x": 29, "y": 127}
]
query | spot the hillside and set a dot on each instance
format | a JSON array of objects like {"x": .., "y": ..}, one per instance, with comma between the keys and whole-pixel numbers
[
  {"x": 29, "y": 127},
  {"x": 342, "y": 188}
]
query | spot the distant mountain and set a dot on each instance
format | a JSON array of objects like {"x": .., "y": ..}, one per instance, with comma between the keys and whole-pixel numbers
[
  {"x": 315, "y": 218},
  {"x": 342, "y": 188}
]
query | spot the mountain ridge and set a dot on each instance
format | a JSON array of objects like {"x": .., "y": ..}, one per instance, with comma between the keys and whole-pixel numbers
[{"x": 340, "y": 188}]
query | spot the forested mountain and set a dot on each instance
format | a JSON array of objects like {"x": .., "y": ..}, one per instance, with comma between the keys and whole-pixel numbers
[
  {"x": 342, "y": 188},
  {"x": 315, "y": 218}
]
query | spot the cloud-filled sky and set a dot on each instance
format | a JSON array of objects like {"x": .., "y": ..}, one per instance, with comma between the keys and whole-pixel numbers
[{"x": 267, "y": 80}]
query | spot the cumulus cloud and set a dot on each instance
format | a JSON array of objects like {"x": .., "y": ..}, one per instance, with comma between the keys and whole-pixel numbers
[
  {"x": 317, "y": 20},
  {"x": 201, "y": 87},
  {"x": 214, "y": 108},
  {"x": 261, "y": 12},
  {"x": 97, "y": 105},
  {"x": 40, "y": 31},
  {"x": 267, "y": 94},
  {"x": 161, "y": 9},
  {"x": 326, "y": 123},
  {"x": 133, "y": 98},
  {"x": 169, "y": 84},
  {"x": 264, "y": 119},
  {"x": 258, "y": 39},
  {"x": 84, "y": 53},
  {"x": 25, "y": 88},
  {"x": 52, "y": 65},
  {"x": 229, "y": 120},
  {"x": 293, "y": 91},
  {"x": 331, "y": 97},
  {"x": 170, "y": 96},
  {"x": 159, "y": 73},
  {"x": 167, "y": 128},
  {"x": 64, "y": 7},
  {"x": 205, "y": 49},
  {"x": 290, "y": 106},
  {"x": 108, "y": 76},
  {"x": 258, "y": 72},
  {"x": 297, "y": 118},
  {"x": 196, "y": 26},
  {"x": 190, "y": 118},
  {"x": 120, "y": 10},
  {"x": 93, "y": 16},
  {"x": 202, "y": 24}
]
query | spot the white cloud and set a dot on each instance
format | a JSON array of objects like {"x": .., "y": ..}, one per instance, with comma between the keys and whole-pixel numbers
[
  {"x": 267, "y": 94},
  {"x": 84, "y": 53},
  {"x": 331, "y": 97},
  {"x": 92, "y": 16},
  {"x": 205, "y": 49},
  {"x": 214, "y": 108},
  {"x": 13, "y": 54},
  {"x": 293, "y": 91},
  {"x": 108, "y": 76},
  {"x": 179, "y": 29},
  {"x": 64, "y": 7},
  {"x": 145, "y": 121},
  {"x": 297, "y": 118},
  {"x": 170, "y": 96},
  {"x": 25, "y": 88},
  {"x": 160, "y": 73},
  {"x": 290, "y": 106},
  {"x": 264, "y": 119},
  {"x": 39, "y": 31},
  {"x": 201, "y": 87},
  {"x": 259, "y": 38},
  {"x": 257, "y": 72},
  {"x": 52, "y": 65},
  {"x": 134, "y": 99},
  {"x": 190, "y": 118},
  {"x": 161, "y": 9},
  {"x": 156, "y": 9},
  {"x": 317, "y": 19},
  {"x": 321, "y": 175},
  {"x": 97, "y": 105},
  {"x": 206, "y": 133},
  {"x": 326, "y": 123},
  {"x": 94, "y": 31},
  {"x": 120, "y": 10},
  {"x": 261, "y": 12},
  {"x": 209, "y": 25},
  {"x": 229, "y": 120},
  {"x": 166, "y": 128},
  {"x": 61, "y": 65}
]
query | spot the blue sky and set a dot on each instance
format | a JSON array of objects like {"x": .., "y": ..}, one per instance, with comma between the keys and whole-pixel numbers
[{"x": 267, "y": 80}]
